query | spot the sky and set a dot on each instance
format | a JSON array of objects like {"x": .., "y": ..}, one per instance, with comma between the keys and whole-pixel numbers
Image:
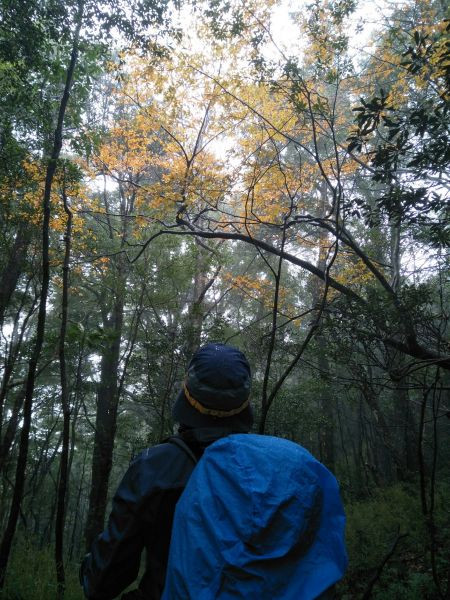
[
  {"x": 287, "y": 39},
  {"x": 363, "y": 23}
]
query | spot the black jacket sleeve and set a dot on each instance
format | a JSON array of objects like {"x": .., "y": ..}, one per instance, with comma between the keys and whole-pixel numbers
[{"x": 114, "y": 560}]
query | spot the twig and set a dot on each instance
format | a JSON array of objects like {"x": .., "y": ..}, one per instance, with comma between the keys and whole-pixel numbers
[{"x": 368, "y": 593}]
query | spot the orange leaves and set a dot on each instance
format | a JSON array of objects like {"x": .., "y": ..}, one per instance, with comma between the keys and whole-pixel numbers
[
  {"x": 351, "y": 271},
  {"x": 161, "y": 148},
  {"x": 432, "y": 48},
  {"x": 256, "y": 288},
  {"x": 260, "y": 288},
  {"x": 30, "y": 201},
  {"x": 196, "y": 132},
  {"x": 268, "y": 201},
  {"x": 103, "y": 261},
  {"x": 127, "y": 147},
  {"x": 27, "y": 194}
]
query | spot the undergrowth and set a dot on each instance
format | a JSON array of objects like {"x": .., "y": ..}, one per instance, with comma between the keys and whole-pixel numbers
[
  {"x": 373, "y": 525},
  {"x": 31, "y": 574},
  {"x": 393, "y": 517}
]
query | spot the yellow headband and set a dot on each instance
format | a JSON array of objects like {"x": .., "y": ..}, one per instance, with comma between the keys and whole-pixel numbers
[{"x": 212, "y": 412}]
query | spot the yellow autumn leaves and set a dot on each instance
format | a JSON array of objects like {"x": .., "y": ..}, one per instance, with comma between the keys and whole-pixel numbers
[
  {"x": 197, "y": 134},
  {"x": 205, "y": 141}
]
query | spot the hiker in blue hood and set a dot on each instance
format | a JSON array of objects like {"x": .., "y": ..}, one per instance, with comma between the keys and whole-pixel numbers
[{"x": 259, "y": 517}]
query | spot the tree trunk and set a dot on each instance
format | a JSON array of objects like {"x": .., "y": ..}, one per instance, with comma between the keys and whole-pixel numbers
[
  {"x": 10, "y": 432},
  {"x": 65, "y": 405},
  {"x": 76, "y": 513},
  {"x": 111, "y": 383},
  {"x": 7, "y": 438},
  {"x": 14, "y": 267},
  {"x": 326, "y": 407},
  {"x": 19, "y": 483},
  {"x": 105, "y": 424},
  {"x": 326, "y": 400},
  {"x": 404, "y": 417},
  {"x": 195, "y": 318}
]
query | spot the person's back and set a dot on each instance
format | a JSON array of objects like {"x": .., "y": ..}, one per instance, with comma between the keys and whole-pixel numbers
[
  {"x": 213, "y": 403},
  {"x": 259, "y": 518}
]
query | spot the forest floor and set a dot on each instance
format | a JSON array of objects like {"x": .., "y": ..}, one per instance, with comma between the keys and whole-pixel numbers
[{"x": 388, "y": 543}]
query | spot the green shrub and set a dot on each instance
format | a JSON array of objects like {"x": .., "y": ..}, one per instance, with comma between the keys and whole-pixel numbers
[
  {"x": 31, "y": 575},
  {"x": 374, "y": 524},
  {"x": 416, "y": 586},
  {"x": 372, "y": 527}
]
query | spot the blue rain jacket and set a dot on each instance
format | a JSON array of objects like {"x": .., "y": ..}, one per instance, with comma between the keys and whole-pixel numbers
[{"x": 260, "y": 518}]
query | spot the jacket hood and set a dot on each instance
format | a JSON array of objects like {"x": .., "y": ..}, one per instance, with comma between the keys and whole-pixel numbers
[{"x": 260, "y": 518}]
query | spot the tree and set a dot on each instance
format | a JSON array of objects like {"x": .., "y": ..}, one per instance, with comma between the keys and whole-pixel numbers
[
  {"x": 219, "y": 190},
  {"x": 62, "y": 25}
]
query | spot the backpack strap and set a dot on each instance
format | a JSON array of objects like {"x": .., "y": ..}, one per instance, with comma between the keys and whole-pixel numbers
[{"x": 177, "y": 441}]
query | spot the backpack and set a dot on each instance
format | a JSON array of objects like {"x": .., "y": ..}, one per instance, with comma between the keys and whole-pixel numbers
[{"x": 260, "y": 518}]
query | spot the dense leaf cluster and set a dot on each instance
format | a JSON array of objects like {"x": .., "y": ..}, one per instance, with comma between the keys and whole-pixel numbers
[{"x": 409, "y": 144}]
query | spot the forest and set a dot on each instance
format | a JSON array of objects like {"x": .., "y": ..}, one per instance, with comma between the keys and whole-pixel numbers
[{"x": 269, "y": 174}]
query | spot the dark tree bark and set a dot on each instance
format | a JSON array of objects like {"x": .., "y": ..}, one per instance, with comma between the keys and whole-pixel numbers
[
  {"x": 267, "y": 399},
  {"x": 19, "y": 483},
  {"x": 10, "y": 431},
  {"x": 76, "y": 530},
  {"x": 111, "y": 383},
  {"x": 105, "y": 422},
  {"x": 408, "y": 343},
  {"x": 14, "y": 267},
  {"x": 65, "y": 405},
  {"x": 7, "y": 437},
  {"x": 326, "y": 400},
  {"x": 194, "y": 322},
  {"x": 326, "y": 403}
]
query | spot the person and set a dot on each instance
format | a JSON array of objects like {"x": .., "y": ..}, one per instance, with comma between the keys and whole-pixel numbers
[
  {"x": 212, "y": 403},
  {"x": 259, "y": 518}
]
